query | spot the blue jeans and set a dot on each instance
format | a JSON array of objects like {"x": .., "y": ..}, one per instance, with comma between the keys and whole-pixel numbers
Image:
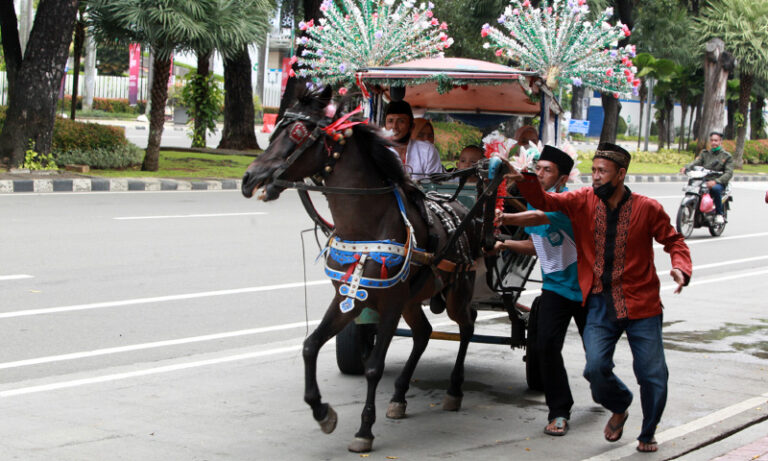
[
  {"x": 601, "y": 334},
  {"x": 716, "y": 192}
]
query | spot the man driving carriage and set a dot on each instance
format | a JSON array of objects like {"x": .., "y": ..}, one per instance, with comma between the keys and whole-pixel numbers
[
  {"x": 419, "y": 157},
  {"x": 715, "y": 159}
]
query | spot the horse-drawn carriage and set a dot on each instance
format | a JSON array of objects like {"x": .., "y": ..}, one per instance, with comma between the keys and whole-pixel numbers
[
  {"x": 382, "y": 223},
  {"x": 480, "y": 94}
]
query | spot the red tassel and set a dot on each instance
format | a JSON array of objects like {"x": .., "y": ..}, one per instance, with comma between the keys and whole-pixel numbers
[
  {"x": 384, "y": 273},
  {"x": 351, "y": 269}
]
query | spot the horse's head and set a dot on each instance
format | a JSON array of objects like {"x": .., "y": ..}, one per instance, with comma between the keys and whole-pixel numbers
[{"x": 295, "y": 149}]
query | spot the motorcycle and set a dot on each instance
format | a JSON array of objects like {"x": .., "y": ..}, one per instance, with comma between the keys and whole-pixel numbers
[{"x": 697, "y": 208}]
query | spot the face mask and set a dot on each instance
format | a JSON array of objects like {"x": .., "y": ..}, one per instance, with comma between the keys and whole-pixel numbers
[
  {"x": 605, "y": 191},
  {"x": 716, "y": 149}
]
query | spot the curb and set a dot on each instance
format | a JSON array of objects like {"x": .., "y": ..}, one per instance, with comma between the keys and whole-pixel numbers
[
  {"x": 113, "y": 185},
  {"x": 9, "y": 186}
]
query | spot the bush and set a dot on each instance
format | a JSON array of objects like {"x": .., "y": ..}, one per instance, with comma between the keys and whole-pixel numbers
[
  {"x": 664, "y": 156},
  {"x": 270, "y": 110},
  {"x": 74, "y": 135},
  {"x": 452, "y": 137},
  {"x": 120, "y": 157},
  {"x": 117, "y": 105},
  {"x": 755, "y": 151},
  {"x": 621, "y": 127}
]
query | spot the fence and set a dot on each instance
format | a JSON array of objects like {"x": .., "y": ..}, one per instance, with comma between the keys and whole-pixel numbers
[{"x": 117, "y": 88}]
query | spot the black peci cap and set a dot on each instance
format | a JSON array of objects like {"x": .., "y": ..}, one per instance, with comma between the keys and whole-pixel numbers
[
  {"x": 563, "y": 161},
  {"x": 615, "y": 153}
]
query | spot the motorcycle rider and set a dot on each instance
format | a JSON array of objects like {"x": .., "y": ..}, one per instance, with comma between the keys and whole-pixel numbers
[{"x": 715, "y": 159}]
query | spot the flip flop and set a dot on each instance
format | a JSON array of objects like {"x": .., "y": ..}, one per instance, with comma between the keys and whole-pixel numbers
[
  {"x": 561, "y": 424},
  {"x": 618, "y": 429},
  {"x": 652, "y": 443}
]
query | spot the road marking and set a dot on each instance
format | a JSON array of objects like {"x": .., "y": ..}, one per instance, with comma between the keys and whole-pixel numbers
[
  {"x": 156, "y": 344},
  {"x": 15, "y": 277},
  {"x": 146, "y": 372},
  {"x": 718, "y": 239},
  {"x": 212, "y": 215},
  {"x": 685, "y": 429},
  {"x": 158, "y": 299}
]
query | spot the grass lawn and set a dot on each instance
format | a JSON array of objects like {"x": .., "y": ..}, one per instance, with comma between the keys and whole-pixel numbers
[
  {"x": 187, "y": 165},
  {"x": 663, "y": 168}
]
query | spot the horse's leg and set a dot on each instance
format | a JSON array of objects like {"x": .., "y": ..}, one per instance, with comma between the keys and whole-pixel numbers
[
  {"x": 333, "y": 322},
  {"x": 421, "y": 329},
  {"x": 389, "y": 311},
  {"x": 457, "y": 301}
]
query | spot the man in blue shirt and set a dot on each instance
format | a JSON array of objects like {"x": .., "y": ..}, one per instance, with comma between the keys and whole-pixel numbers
[{"x": 552, "y": 241}]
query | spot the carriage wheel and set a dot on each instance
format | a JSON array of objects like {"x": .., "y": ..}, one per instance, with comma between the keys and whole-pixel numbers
[
  {"x": 353, "y": 346},
  {"x": 532, "y": 369}
]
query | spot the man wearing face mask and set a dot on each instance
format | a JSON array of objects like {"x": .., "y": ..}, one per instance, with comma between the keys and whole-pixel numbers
[
  {"x": 614, "y": 230},
  {"x": 420, "y": 158},
  {"x": 716, "y": 159},
  {"x": 552, "y": 240}
]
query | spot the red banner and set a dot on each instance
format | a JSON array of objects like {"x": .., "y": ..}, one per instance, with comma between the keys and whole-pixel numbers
[
  {"x": 286, "y": 70},
  {"x": 134, "y": 63}
]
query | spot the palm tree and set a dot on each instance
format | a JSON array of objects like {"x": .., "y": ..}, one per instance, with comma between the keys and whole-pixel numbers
[
  {"x": 164, "y": 26},
  {"x": 743, "y": 26},
  {"x": 233, "y": 26}
]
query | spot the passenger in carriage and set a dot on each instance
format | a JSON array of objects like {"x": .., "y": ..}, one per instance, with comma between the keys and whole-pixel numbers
[
  {"x": 419, "y": 157},
  {"x": 467, "y": 159},
  {"x": 551, "y": 238},
  {"x": 423, "y": 130}
]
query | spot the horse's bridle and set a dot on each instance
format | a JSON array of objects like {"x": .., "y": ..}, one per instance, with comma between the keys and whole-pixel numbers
[{"x": 300, "y": 135}]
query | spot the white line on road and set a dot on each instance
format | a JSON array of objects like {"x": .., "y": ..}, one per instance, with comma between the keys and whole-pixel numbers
[
  {"x": 212, "y": 215},
  {"x": 158, "y": 299},
  {"x": 719, "y": 239},
  {"x": 146, "y": 372},
  {"x": 685, "y": 429},
  {"x": 15, "y": 277},
  {"x": 156, "y": 344}
]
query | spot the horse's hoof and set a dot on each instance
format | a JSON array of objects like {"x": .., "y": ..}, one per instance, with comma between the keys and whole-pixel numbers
[
  {"x": 396, "y": 410},
  {"x": 451, "y": 403},
  {"x": 328, "y": 424},
  {"x": 361, "y": 445}
]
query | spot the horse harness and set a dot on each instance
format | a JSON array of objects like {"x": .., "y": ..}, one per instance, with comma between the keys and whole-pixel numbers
[{"x": 388, "y": 253}]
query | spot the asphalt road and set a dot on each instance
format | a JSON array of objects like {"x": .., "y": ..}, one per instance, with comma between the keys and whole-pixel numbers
[{"x": 167, "y": 326}]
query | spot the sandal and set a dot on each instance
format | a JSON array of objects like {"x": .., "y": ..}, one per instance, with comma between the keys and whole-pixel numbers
[
  {"x": 651, "y": 447},
  {"x": 561, "y": 427},
  {"x": 618, "y": 429}
]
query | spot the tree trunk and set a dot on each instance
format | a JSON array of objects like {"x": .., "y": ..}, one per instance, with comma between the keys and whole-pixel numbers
[
  {"x": 683, "y": 113},
  {"x": 203, "y": 68},
  {"x": 577, "y": 103},
  {"x": 747, "y": 80},
  {"x": 159, "y": 95},
  {"x": 717, "y": 65},
  {"x": 78, "y": 53},
  {"x": 642, "y": 94},
  {"x": 757, "y": 122},
  {"x": 730, "y": 130},
  {"x": 90, "y": 71},
  {"x": 611, "y": 109},
  {"x": 697, "y": 121},
  {"x": 670, "y": 108},
  {"x": 33, "y": 95},
  {"x": 11, "y": 45},
  {"x": 239, "y": 132}
]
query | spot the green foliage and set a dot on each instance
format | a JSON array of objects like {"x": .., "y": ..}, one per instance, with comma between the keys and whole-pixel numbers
[
  {"x": 664, "y": 28},
  {"x": 119, "y": 157},
  {"x": 743, "y": 26},
  {"x": 36, "y": 161},
  {"x": 755, "y": 151},
  {"x": 73, "y": 135},
  {"x": 203, "y": 99},
  {"x": 110, "y": 105},
  {"x": 622, "y": 125},
  {"x": 452, "y": 137},
  {"x": 664, "y": 156}
]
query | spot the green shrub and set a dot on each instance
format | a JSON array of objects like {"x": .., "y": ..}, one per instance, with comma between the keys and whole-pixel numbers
[
  {"x": 755, "y": 151},
  {"x": 111, "y": 105},
  {"x": 664, "y": 156},
  {"x": 621, "y": 127},
  {"x": 270, "y": 110},
  {"x": 452, "y": 137},
  {"x": 74, "y": 135},
  {"x": 118, "y": 157}
]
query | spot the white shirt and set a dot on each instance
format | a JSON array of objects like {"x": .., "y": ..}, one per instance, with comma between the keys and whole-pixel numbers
[{"x": 422, "y": 159}]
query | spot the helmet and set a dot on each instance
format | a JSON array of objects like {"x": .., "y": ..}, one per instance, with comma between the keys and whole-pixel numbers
[{"x": 707, "y": 204}]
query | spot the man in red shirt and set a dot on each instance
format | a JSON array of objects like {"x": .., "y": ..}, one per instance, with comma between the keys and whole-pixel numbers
[{"x": 614, "y": 230}]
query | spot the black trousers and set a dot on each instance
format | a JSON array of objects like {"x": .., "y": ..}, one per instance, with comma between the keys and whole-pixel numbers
[{"x": 555, "y": 313}]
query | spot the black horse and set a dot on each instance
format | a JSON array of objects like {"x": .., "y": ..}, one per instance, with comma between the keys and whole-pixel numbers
[{"x": 380, "y": 222}]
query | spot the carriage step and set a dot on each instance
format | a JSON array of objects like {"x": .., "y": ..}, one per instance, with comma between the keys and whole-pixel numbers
[{"x": 485, "y": 339}]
